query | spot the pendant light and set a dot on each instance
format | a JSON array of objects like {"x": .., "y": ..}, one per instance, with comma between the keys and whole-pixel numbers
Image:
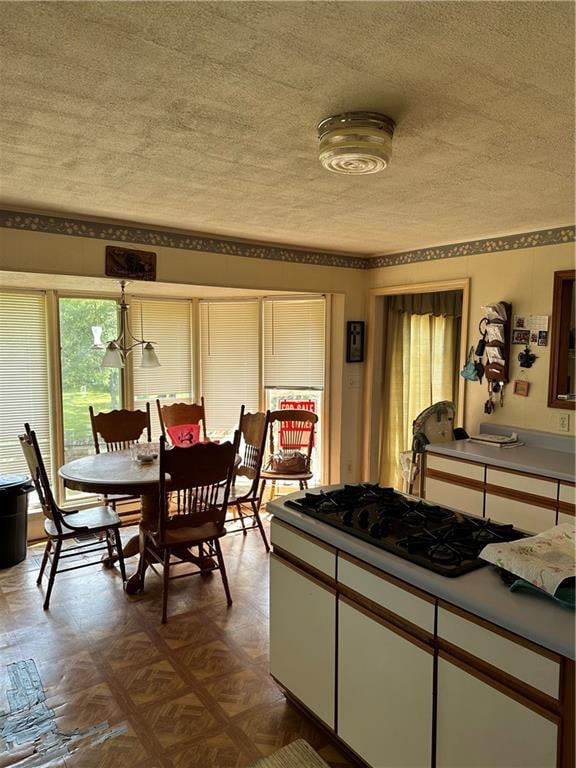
[{"x": 118, "y": 350}]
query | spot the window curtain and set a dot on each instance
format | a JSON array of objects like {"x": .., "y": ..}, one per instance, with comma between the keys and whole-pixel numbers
[{"x": 420, "y": 365}]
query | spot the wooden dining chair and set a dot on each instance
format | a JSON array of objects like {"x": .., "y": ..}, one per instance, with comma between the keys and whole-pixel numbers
[
  {"x": 291, "y": 439},
  {"x": 183, "y": 423},
  {"x": 63, "y": 526},
  {"x": 194, "y": 487},
  {"x": 245, "y": 500},
  {"x": 116, "y": 431}
]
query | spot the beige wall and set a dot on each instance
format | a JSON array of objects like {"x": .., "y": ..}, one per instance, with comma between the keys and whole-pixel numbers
[
  {"x": 24, "y": 251},
  {"x": 524, "y": 278}
]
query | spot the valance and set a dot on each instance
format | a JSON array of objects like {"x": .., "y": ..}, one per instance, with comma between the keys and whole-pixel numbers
[{"x": 438, "y": 303}]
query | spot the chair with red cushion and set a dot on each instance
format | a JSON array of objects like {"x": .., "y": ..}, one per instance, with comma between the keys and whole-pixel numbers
[
  {"x": 186, "y": 417},
  {"x": 184, "y": 434}
]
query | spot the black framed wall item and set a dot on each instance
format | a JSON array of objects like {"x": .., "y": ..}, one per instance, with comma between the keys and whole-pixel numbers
[
  {"x": 130, "y": 264},
  {"x": 355, "y": 341}
]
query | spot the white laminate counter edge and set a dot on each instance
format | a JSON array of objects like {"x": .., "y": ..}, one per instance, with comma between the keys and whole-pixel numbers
[
  {"x": 481, "y": 592},
  {"x": 533, "y": 460}
]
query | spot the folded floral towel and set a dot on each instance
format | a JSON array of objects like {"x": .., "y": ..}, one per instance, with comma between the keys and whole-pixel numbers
[{"x": 545, "y": 560}]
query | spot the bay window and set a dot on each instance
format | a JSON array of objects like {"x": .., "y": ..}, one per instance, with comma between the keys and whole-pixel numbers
[{"x": 257, "y": 352}]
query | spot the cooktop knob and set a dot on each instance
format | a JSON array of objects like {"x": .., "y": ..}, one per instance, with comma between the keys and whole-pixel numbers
[
  {"x": 347, "y": 517},
  {"x": 363, "y": 518},
  {"x": 375, "y": 530}
]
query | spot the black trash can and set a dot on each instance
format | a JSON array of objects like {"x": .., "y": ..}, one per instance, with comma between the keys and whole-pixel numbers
[{"x": 14, "y": 490}]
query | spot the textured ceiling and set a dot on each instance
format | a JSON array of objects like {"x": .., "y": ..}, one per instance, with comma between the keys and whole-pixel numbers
[{"x": 202, "y": 116}]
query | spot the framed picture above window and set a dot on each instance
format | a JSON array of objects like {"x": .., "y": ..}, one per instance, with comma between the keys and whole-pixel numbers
[
  {"x": 355, "y": 341},
  {"x": 129, "y": 264}
]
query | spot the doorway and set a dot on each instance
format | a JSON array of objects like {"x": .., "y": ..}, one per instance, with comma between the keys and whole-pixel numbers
[{"x": 418, "y": 343}]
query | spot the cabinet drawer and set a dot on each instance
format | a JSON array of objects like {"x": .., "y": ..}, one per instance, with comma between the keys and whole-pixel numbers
[
  {"x": 527, "y": 517},
  {"x": 458, "y": 497},
  {"x": 405, "y": 604},
  {"x": 567, "y": 493},
  {"x": 455, "y": 467},
  {"x": 534, "y": 669},
  {"x": 537, "y": 486},
  {"x": 307, "y": 549}
]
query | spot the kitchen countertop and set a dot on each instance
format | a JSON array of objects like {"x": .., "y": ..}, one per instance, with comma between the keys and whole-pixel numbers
[
  {"x": 481, "y": 592},
  {"x": 533, "y": 459},
  {"x": 543, "y": 453}
]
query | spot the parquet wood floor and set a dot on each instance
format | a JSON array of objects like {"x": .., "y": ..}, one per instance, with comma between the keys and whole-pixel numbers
[{"x": 123, "y": 691}]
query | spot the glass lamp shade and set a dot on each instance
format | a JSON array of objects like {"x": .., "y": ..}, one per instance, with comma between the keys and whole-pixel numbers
[
  {"x": 112, "y": 357},
  {"x": 356, "y": 142},
  {"x": 149, "y": 357},
  {"x": 97, "y": 337}
]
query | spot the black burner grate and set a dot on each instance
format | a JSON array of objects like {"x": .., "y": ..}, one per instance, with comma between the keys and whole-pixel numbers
[{"x": 432, "y": 536}]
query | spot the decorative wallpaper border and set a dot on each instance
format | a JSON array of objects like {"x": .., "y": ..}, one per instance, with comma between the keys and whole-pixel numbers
[
  {"x": 59, "y": 225},
  {"x": 477, "y": 247},
  {"x": 56, "y": 225}
]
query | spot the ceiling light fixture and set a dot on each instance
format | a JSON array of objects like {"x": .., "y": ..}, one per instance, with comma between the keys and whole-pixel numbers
[
  {"x": 118, "y": 350},
  {"x": 356, "y": 142}
]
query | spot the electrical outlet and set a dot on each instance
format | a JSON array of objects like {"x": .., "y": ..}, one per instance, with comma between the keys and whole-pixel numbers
[{"x": 564, "y": 422}]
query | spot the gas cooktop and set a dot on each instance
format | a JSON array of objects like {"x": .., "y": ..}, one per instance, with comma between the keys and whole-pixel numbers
[{"x": 434, "y": 537}]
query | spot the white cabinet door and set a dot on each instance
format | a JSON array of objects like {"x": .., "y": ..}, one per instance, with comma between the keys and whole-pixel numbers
[
  {"x": 303, "y": 637},
  {"x": 385, "y": 692},
  {"x": 480, "y": 726}
]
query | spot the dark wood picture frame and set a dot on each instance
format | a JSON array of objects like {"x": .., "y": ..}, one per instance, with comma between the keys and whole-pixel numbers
[
  {"x": 355, "y": 341},
  {"x": 130, "y": 264}
]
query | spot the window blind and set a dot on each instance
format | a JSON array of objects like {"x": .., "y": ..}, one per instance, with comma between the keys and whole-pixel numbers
[
  {"x": 230, "y": 361},
  {"x": 294, "y": 343},
  {"x": 168, "y": 325},
  {"x": 24, "y": 381}
]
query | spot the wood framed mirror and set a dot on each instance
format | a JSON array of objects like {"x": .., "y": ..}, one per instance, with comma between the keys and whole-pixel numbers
[{"x": 562, "y": 381}]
